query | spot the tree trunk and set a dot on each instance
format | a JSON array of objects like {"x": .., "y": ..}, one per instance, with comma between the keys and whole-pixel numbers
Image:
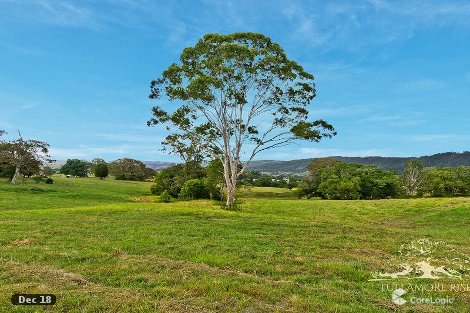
[
  {"x": 15, "y": 177},
  {"x": 230, "y": 197},
  {"x": 231, "y": 183},
  {"x": 231, "y": 194}
]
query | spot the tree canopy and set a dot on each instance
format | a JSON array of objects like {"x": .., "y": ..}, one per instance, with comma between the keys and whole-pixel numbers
[
  {"x": 332, "y": 179},
  {"x": 25, "y": 156},
  {"x": 75, "y": 167},
  {"x": 94, "y": 163},
  {"x": 413, "y": 176},
  {"x": 240, "y": 96},
  {"x": 130, "y": 169},
  {"x": 101, "y": 170}
]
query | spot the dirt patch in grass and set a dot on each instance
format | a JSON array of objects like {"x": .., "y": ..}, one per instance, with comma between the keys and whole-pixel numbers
[
  {"x": 69, "y": 285},
  {"x": 47, "y": 274},
  {"x": 188, "y": 267},
  {"x": 144, "y": 199},
  {"x": 23, "y": 242}
]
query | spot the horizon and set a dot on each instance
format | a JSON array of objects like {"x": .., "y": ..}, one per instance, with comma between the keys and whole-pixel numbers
[
  {"x": 392, "y": 77},
  {"x": 273, "y": 160}
]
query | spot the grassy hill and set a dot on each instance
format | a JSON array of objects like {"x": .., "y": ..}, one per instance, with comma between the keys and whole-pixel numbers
[
  {"x": 109, "y": 246},
  {"x": 388, "y": 163}
]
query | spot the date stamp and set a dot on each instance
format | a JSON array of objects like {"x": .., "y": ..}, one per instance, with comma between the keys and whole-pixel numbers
[{"x": 33, "y": 299}]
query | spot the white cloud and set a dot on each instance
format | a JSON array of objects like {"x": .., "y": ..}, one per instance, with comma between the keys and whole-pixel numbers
[
  {"x": 59, "y": 13},
  {"x": 131, "y": 138},
  {"x": 14, "y": 104},
  {"x": 106, "y": 152},
  {"x": 341, "y": 111},
  {"x": 427, "y": 11},
  {"x": 421, "y": 85},
  {"x": 355, "y": 25},
  {"x": 403, "y": 119},
  {"x": 305, "y": 25},
  {"x": 17, "y": 45},
  {"x": 325, "y": 24},
  {"x": 67, "y": 153}
]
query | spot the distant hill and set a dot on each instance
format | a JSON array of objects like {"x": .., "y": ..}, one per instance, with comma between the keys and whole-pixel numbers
[
  {"x": 300, "y": 166},
  {"x": 156, "y": 165},
  {"x": 388, "y": 163}
]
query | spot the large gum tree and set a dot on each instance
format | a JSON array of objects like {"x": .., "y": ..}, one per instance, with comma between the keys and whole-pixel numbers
[{"x": 234, "y": 96}]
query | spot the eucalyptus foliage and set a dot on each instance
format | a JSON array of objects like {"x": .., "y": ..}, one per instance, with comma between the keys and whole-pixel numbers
[{"x": 236, "y": 96}]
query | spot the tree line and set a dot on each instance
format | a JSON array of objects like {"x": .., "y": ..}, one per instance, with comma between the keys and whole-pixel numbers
[
  {"x": 190, "y": 180},
  {"x": 121, "y": 169},
  {"x": 193, "y": 180},
  {"x": 27, "y": 158},
  {"x": 329, "y": 178}
]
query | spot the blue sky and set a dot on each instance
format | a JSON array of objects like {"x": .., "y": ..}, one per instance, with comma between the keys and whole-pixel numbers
[{"x": 393, "y": 77}]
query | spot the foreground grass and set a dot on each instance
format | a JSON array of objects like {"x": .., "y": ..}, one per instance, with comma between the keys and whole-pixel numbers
[{"x": 108, "y": 246}]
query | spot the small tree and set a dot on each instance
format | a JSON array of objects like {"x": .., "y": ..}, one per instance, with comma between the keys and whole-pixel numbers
[
  {"x": 231, "y": 85},
  {"x": 94, "y": 163},
  {"x": 25, "y": 156},
  {"x": 413, "y": 176},
  {"x": 101, "y": 170},
  {"x": 129, "y": 169},
  {"x": 75, "y": 167}
]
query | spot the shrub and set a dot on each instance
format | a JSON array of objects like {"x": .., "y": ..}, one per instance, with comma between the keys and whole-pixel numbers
[
  {"x": 194, "y": 189},
  {"x": 156, "y": 189},
  {"x": 37, "y": 179},
  {"x": 214, "y": 193},
  {"x": 165, "y": 197},
  {"x": 170, "y": 179},
  {"x": 49, "y": 181}
]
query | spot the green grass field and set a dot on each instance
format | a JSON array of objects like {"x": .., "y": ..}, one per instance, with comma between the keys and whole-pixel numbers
[{"x": 109, "y": 246}]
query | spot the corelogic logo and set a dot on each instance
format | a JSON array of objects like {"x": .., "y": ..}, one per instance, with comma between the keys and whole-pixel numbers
[
  {"x": 425, "y": 259},
  {"x": 397, "y": 296}
]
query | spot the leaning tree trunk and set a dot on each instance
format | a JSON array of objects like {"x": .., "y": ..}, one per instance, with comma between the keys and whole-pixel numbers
[{"x": 15, "y": 177}]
